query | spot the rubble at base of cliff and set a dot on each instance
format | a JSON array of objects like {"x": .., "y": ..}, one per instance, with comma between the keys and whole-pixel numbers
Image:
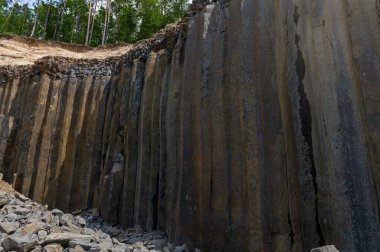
[{"x": 28, "y": 226}]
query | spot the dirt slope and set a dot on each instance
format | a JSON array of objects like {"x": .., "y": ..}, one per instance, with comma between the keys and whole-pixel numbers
[{"x": 25, "y": 51}]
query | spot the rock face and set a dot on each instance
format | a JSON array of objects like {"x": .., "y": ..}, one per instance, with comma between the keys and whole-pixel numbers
[{"x": 252, "y": 126}]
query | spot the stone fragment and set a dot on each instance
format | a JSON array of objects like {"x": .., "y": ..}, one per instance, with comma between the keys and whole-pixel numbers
[
  {"x": 80, "y": 221},
  {"x": 156, "y": 244},
  {"x": 53, "y": 248},
  {"x": 57, "y": 212},
  {"x": 31, "y": 228},
  {"x": 8, "y": 227},
  {"x": 65, "y": 238},
  {"x": 182, "y": 248},
  {"x": 11, "y": 217},
  {"x": 99, "y": 250},
  {"x": 36, "y": 249},
  {"x": 21, "y": 197},
  {"x": 94, "y": 212},
  {"x": 20, "y": 242},
  {"x": 78, "y": 248},
  {"x": 50, "y": 219},
  {"x": 3, "y": 201},
  {"x": 328, "y": 248},
  {"x": 42, "y": 235},
  {"x": 67, "y": 220},
  {"x": 83, "y": 244},
  {"x": 21, "y": 211},
  {"x": 88, "y": 231}
]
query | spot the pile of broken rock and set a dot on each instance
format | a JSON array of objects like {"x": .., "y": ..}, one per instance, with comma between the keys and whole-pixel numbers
[{"x": 28, "y": 226}]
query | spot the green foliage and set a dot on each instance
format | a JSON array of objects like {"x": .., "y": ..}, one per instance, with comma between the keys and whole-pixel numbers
[
  {"x": 123, "y": 25},
  {"x": 67, "y": 20},
  {"x": 15, "y": 18},
  {"x": 155, "y": 14}
]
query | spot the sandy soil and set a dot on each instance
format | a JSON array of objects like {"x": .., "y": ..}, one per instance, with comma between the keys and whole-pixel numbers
[{"x": 25, "y": 51}]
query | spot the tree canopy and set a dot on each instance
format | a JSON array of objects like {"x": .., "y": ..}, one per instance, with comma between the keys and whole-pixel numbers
[{"x": 89, "y": 22}]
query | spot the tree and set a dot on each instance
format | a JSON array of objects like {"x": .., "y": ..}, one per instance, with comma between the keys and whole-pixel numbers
[
  {"x": 35, "y": 19},
  {"x": 46, "y": 20},
  {"x": 106, "y": 22},
  {"x": 58, "y": 24},
  {"x": 90, "y": 10},
  {"x": 89, "y": 22},
  {"x": 93, "y": 21},
  {"x": 125, "y": 24},
  {"x": 10, "y": 14}
]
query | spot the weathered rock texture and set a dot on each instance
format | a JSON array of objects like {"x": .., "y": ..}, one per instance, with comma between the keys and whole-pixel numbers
[{"x": 253, "y": 127}]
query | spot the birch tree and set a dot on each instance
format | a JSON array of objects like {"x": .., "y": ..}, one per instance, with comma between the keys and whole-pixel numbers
[
  {"x": 106, "y": 22},
  {"x": 90, "y": 11},
  {"x": 35, "y": 19},
  {"x": 46, "y": 20}
]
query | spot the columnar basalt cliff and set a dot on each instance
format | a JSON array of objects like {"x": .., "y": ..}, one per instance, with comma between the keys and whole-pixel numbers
[{"x": 251, "y": 126}]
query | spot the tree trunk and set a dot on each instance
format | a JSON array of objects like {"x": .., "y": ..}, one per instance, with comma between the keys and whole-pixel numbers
[
  {"x": 25, "y": 10},
  {"x": 106, "y": 22},
  {"x": 88, "y": 22},
  {"x": 35, "y": 20},
  {"x": 93, "y": 21},
  {"x": 58, "y": 25},
  {"x": 108, "y": 18},
  {"x": 46, "y": 20}
]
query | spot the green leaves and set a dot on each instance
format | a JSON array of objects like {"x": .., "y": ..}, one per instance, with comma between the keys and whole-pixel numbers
[{"x": 129, "y": 21}]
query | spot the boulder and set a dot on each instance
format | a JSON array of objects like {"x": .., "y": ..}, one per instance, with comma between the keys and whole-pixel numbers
[
  {"x": 65, "y": 238},
  {"x": 20, "y": 242},
  {"x": 8, "y": 227},
  {"x": 22, "y": 197},
  {"x": 53, "y": 248},
  {"x": 84, "y": 245},
  {"x": 42, "y": 235},
  {"x": 37, "y": 249},
  {"x": 21, "y": 211},
  {"x": 57, "y": 212},
  {"x": 3, "y": 201},
  {"x": 67, "y": 220},
  {"x": 156, "y": 244},
  {"x": 31, "y": 228},
  {"x": 182, "y": 248},
  {"x": 77, "y": 248},
  {"x": 328, "y": 248},
  {"x": 80, "y": 221}
]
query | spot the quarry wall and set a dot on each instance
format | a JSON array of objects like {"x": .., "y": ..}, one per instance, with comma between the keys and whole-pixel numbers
[{"x": 250, "y": 126}]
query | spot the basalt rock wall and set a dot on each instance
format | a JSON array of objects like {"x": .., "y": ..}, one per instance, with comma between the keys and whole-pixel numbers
[{"x": 252, "y": 126}]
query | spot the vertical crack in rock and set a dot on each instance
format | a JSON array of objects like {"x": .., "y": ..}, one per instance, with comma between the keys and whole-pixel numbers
[
  {"x": 155, "y": 201},
  {"x": 306, "y": 124},
  {"x": 291, "y": 233},
  {"x": 378, "y": 12}
]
